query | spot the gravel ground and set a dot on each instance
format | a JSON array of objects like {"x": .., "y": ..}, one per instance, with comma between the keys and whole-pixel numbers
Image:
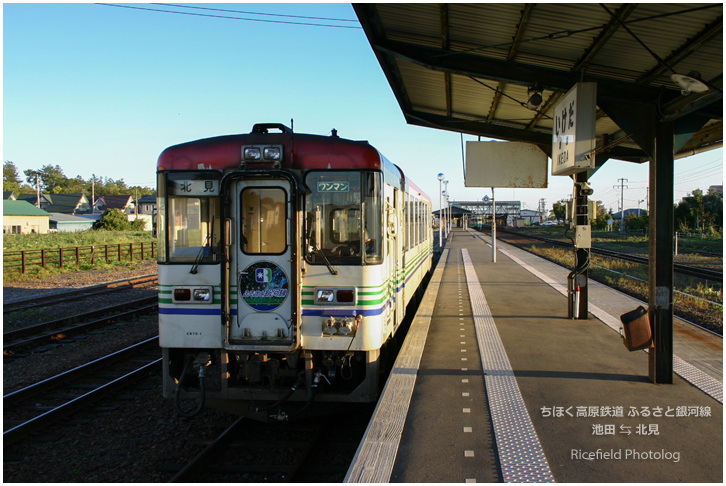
[
  {"x": 29, "y": 287},
  {"x": 133, "y": 437}
]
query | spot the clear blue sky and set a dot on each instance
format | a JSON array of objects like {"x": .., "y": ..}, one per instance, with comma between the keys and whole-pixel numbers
[{"x": 103, "y": 90}]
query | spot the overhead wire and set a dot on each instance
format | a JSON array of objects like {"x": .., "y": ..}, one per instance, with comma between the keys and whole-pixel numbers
[
  {"x": 253, "y": 13},
  {"x": 227, "y": 17}
]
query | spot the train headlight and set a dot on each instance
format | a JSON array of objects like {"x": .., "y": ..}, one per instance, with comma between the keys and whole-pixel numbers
[
  {"x": 262, "y": 153},
  {"x": 192, "y": 295},
  {"x": 204, "y": 295},
  {"x": 272, "y": 153},
  {"x": 332, "y": 295},
  {"x": 324, "y": 296},
  {"x": 251, "y": 153}
]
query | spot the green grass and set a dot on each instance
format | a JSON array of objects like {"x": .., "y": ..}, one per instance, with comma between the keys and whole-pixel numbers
[
  {"x": 633, "y": 278},
  {"x": 70, "y": 240},
  {"x": 97, "y": 238}
]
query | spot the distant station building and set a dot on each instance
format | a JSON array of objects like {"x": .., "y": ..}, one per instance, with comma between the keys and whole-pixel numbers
[{"x": 479, "y": 212}]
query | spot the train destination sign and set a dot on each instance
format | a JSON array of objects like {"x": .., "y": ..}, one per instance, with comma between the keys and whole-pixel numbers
[
  {"x": 573, "y": 133},
  {"x": 192, "y": 187}
]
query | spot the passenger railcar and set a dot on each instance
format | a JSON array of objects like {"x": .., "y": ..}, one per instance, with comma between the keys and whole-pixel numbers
[{"x": 286, "y": 262}]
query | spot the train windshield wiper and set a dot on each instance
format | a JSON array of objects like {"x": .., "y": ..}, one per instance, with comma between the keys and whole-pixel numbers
[
  {"x": 203, "y": 249},
  {"x": 325, "y": 259}
]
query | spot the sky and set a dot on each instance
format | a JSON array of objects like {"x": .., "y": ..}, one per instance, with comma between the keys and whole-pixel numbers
[{"x": 103, "y": 89}]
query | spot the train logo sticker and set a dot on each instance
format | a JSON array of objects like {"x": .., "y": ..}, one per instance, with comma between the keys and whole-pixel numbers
[{"x": 263, "y": 286}]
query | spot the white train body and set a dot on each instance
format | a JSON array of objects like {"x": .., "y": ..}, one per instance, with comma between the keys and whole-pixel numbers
[{"x": 286, "y": 265}]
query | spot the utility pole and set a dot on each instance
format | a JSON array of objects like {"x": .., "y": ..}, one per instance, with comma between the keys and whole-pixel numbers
[
  {"x": 622, "y": 202},
  {"x": 93, "y": 194},
  {"x": 37, "y": 189}
]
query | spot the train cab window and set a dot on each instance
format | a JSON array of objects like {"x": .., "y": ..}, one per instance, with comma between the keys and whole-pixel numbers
[
  {"x": 372, "y": 202},
  {"x": 264, "y": 220},
  {"x": 189, "y": 219},
  {"x": 343, "y": 218}
]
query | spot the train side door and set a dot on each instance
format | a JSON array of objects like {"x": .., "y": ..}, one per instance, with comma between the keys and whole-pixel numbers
[
  {"x": 393, "y": 255},
  {"x": 263, "y": 274},
  {"x": 396, "y": 228}
]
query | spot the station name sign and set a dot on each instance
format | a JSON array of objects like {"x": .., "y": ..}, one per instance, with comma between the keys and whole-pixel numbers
[{"x": 573, "y": 133}]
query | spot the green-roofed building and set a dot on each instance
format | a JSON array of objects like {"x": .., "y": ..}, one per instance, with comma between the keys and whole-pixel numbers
[{"x": 21, "y": 217}]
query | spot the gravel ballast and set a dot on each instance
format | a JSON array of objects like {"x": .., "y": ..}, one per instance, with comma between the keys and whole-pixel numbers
[{"x": 134, "y": 436}]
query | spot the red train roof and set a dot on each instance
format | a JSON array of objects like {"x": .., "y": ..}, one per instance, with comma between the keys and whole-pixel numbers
[
  {"x": 310, "y": 152},
  {"x": 300, "y": 151}
]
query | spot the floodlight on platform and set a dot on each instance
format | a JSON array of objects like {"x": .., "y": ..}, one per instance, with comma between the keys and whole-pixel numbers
[
  {"x": 535, "y": 97},
  {"x": 691, "y": 83}
]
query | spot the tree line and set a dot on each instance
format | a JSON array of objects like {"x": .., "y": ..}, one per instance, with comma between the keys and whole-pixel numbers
[
  {"x": 699, "y": 212},
  {"x": 52, "y": 180}
]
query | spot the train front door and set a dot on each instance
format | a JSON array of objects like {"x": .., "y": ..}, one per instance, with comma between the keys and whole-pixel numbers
[{"x": 262, "y": 276}]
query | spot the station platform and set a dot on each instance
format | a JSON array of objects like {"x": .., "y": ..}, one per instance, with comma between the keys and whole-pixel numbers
[{"x": 495, "y": 384}]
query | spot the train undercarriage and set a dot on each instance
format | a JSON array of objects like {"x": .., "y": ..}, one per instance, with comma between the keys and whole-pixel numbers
[{"x": 269, "y": 386}]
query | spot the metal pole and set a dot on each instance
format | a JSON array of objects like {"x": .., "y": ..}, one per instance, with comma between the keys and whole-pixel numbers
[
  {"x": 441, "y": 219},
  {"x": 440, "y": 177},
  {"x": 494, "y": 228},
  {"x": 448, "y": 208},
  {"x": 660, "y": 298},
  {"x": 582, "y": 255},
  {"x": 446, "y": 199}
]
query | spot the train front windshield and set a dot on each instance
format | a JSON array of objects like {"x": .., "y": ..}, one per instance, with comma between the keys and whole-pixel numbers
[
  {"x": 189, "y": 217},
  {"x": 343, "y": 218}
]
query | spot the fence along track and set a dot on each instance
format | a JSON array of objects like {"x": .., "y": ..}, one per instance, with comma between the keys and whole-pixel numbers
[{"x": 23, "y": 260}]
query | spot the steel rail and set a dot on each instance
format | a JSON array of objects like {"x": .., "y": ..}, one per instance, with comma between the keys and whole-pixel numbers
[
  {"x": 204, "y": 461},
  {"x": 60, "y": 334},
  {"x": 20, "y": 431},
  {"x": 715, "y": 333},
  {"x": 17, "y": 396},
  {"x": 200, "y": 461},
  {"x": 77, "y": 294},
  {"x": 68, "y": 321},
  {"x": 704, "y": 273}
]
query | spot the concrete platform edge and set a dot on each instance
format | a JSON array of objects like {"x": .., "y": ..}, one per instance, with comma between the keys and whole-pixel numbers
[{"x": 374, "y": 460}]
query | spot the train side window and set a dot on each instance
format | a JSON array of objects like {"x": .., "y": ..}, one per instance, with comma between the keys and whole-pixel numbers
[
  {"x": 407, "y": 221},
  {"x": 373, "y": 221}
]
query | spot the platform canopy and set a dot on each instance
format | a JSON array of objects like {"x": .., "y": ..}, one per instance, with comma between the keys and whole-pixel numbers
[{"x": 473, "y": 68}]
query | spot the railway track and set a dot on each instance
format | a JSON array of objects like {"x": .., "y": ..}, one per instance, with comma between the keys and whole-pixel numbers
[
  {"x": 80, "y": 294},
  {"x": 698, "y": 272},
  {"x": 709, "y": 319},
  {"x": 33, "y": 408},
  {"x": 318, "y": 449},
  {"x": 53, "y": 332}
]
